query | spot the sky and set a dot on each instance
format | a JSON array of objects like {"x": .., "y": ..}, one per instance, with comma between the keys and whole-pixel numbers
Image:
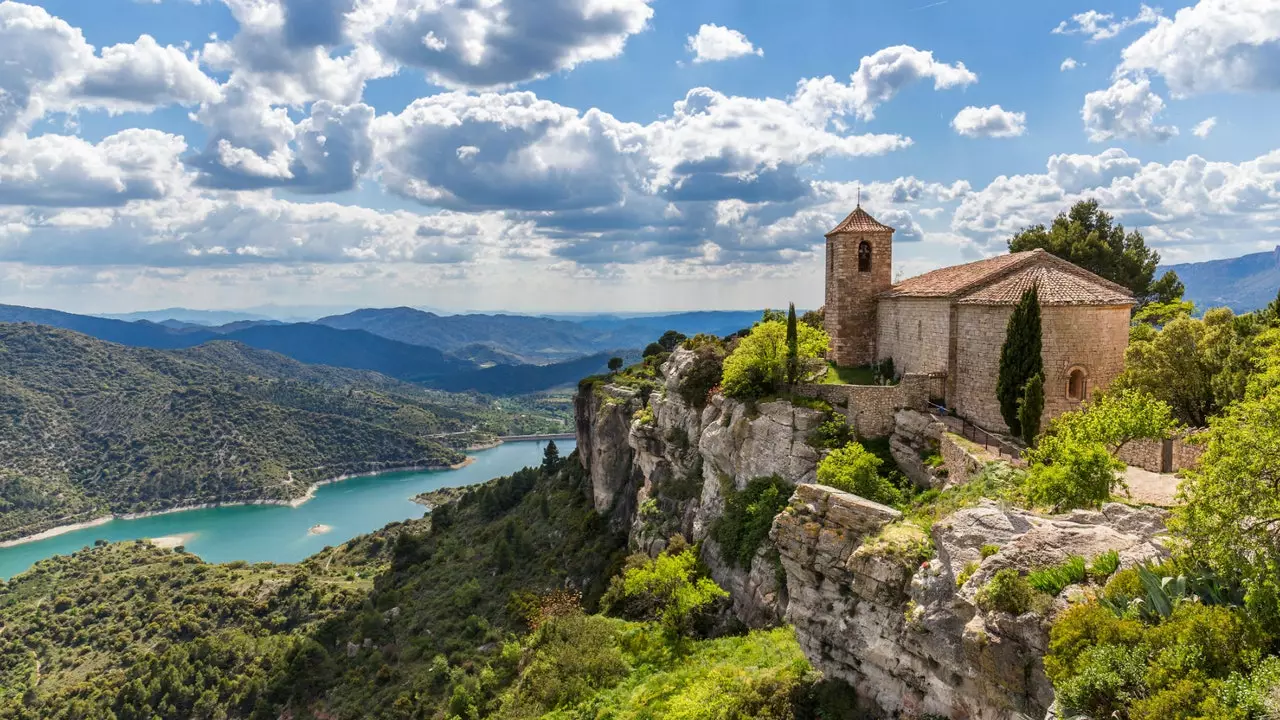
[{"x": 604, "y": 155}]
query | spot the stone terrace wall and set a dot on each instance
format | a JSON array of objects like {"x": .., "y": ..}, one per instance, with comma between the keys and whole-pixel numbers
[
  {"x": 870, "y": 408},
  {"x": 1167, "y": 456}
]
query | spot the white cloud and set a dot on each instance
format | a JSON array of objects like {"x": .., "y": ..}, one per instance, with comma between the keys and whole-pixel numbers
[
  {"x": 1204, "y": 127},
  {"x": 1127, "y": 110},
  {"x": 143, "y": 75},
  {"x": 991, "y": 122},
  {"x": 879, "y": 78},
  {"x": 59, "y": 170},
  {"x": 498, "y": 43},
  {"x": 1191, "y": 206},
  {"x": 1103, "y": 26},
  {"x": 716, "y": 42},
  {"x": 1213, "y": 46},
  {"x": 1068, "y": 64}
]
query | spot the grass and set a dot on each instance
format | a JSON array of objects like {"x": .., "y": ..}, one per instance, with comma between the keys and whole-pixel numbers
[{"x": 841, "y": 375}]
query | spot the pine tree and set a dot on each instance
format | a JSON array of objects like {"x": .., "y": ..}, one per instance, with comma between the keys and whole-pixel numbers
[
  {"x": 551, "y": 456},
  {"x": 1031, "y": 408},
  {"x": 1020, "y": 358},
  {"x": 793, "y": 346}
]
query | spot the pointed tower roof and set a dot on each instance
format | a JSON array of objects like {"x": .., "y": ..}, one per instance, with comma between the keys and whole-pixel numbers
[{"x": 860, "y": 221}]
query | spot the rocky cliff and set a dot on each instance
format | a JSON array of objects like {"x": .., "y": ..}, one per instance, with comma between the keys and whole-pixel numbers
[{"x": 874, "y": 600}]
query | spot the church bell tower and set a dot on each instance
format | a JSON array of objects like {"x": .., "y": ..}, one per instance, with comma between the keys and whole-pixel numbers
[{"x": 859, "y": 267}]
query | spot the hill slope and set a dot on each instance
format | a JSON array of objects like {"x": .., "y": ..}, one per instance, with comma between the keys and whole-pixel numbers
[
  {"x": 1243, "y": 283},
  {"x": 88, "y": 427}
]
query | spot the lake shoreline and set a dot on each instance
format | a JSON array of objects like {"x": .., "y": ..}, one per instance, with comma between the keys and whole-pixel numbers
[{"x": 295, "y": 502}]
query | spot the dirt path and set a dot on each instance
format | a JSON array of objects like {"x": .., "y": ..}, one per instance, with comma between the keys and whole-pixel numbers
[{"x": 1151, "y": 488}]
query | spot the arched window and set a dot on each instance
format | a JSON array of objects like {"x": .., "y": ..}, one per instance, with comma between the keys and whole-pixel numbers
[
  {"x": 864, "y": 256},
  {"x": 1077, "y": 383}
]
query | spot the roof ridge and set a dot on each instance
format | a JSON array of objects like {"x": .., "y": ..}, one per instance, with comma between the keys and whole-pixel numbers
[{"x": 859, "y": 221}]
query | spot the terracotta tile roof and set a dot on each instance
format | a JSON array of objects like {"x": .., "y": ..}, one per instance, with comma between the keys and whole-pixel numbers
[
  {"x": 995, "y": 280},
  {"x": 860, "y": 221},
  {"x": 1056, "y": 287}
]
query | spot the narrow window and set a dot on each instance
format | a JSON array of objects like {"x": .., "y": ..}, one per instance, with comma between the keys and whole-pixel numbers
[
  {"x": 864, "y": 256},
  {"x": 919, "y": 330},
  {"x": 1077, "y": 384}
]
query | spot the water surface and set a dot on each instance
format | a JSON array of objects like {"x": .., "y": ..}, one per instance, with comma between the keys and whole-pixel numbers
[{"x": 278, "y": 533}]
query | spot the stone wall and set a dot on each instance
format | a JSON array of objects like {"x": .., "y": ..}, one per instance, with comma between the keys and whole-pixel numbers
[
  {"x": 851, "y": 295},
  {"x": 1090, "y": 338},
  {"x": 915, "y": 332},
  {"x": 962, "y": 459},
  {"x": 870, "y": 408},
  {"x": 1164, "y": 456}
]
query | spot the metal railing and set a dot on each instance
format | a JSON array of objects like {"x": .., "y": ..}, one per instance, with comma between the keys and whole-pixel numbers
[{"x": 964, "y": 428}]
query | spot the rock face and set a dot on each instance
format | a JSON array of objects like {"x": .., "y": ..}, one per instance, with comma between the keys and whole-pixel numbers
[
  {"x": 865, "y": 608},
  {"x": 905, "y": 636},
  {"x": 670, "y": 475}
]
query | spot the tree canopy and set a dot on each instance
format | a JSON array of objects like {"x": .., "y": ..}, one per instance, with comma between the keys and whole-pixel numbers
[
  {"x": 757, "y": 366},
  {"x": 1020, "y": 358},
  {"x": 1087, "y": 236}
]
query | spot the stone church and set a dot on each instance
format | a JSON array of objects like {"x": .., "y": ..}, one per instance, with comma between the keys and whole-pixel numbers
[{"x": 950, "y": 323}]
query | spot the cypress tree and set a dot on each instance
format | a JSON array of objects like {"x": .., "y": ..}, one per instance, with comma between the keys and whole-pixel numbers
[
  {"x": 1031, "y": 407},
  {"x": 793, "y": 346},
  {"x": 1020, "y": 358}
]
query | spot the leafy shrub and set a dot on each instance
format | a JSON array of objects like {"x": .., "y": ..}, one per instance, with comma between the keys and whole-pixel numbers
[
  {"x": 644, "y": 416},
  {"x": 966, "y": 573},
  {"x": 854, "y": 470},
  {"x": 748, "y": 517},
  {"x": 569, "y": 658},
  {"x": 988, "y": 550},
  {"x": 831, "y": 434},
  {"x": 652, "y": 349},
  {"x": 757, "y": 366},
  {"x": 1054, "y": 580},
  {"x": 668, "y": 589},
  {"x": 1082, "y": 476},
  {"x": 1006, "y": 591},
  {"x": 704, "y": 373}
]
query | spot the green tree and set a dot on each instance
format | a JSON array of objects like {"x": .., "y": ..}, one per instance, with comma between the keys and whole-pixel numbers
[
  {"x": 855, "y": 470},
  {"x": 1073, "y": 464},
  {"x": 615, "y": 364},
  {"x": 1031, "y": 407},
  {"x": 671, "y": 339},
  {"x": 1020, "y": 358},
  {"x": 815, "y": 318},
  {"x": 551, "y": 456},
  {"x": 793, "y": 346},
  {"x": 667, "y": 589},
  {"x": 652, "y": 349},
  {"x": 757, "y": 366},
  {"x": 1087, "y": 236},
  {"x": 1197, "y": 366},
  {"x": 1229, "y": 520}
]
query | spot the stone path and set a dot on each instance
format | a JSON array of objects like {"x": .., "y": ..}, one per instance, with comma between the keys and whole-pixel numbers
[{"x": 1151, "y": 488}]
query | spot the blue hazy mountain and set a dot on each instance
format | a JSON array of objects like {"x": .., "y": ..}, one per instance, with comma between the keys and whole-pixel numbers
[{"x": 1241, "y": 283}]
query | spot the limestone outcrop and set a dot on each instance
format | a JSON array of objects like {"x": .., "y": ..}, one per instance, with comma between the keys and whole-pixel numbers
[{"x": 885, "y": 614}]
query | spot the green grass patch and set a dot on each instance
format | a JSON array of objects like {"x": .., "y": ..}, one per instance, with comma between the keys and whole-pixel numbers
[{"x": 841, "y": 375}]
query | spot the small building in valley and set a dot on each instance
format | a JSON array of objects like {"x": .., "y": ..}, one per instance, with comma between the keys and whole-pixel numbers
[{"x": 952, "y": 321}]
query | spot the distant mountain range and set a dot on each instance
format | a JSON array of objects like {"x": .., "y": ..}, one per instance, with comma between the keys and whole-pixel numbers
[
  {"x": 496, "y": 354},
  {"x": 1242, "y": 283}
]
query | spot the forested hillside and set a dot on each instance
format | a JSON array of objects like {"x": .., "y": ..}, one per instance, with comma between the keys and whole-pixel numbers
[
  {"x": 423, "y": 619},
  {"x": 88, "y": 427}
]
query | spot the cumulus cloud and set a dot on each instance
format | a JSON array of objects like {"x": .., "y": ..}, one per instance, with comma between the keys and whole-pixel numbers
[
  {"x": 498, "y": 43},
  {"x": 1129, "y": 109},
  {"x": 879, "y": 78},
  {"x": 60, "y": 171},
  {"x": 1195, "y": 203},
  {"x": 716, "y": 42},
  {"x": 1212, "y": 46},
  {"x": 991, "y": 122},
  {"x": 1068, "y": 64},
  {"x": 47, "y": 66},
  {"x": 1103, "y": 26},
  {"x": 1204, "y": 127}
]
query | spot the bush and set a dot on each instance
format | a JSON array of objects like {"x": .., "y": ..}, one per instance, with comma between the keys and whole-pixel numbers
[
  {"x": 1082, "y": 476},
  {"x": 757, "y": 366},
  {"x": 1006, "y": 591},
  {"x": 989, "y": 550},
  {"x": 831, "y": 434},
  {"x": 1104, "y": 566},
  {"x": 704, "y": 373},
  {"x": 748, "y": 517},
  {"x": 854, "y": 470},
  {"x": 667, "y": 589}
]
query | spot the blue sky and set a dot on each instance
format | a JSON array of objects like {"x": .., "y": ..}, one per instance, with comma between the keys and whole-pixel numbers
[{"x": 556, "y": 155}]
